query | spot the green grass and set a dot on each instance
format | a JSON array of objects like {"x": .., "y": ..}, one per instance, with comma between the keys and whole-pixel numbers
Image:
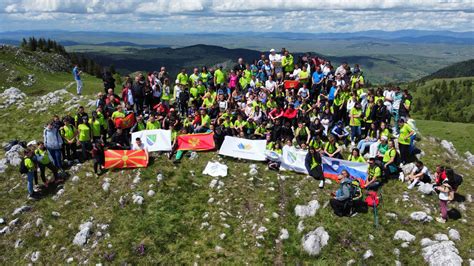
[{"x": 460, "y": 134}]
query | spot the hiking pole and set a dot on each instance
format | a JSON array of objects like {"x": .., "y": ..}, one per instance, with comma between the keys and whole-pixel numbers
[{"x": 376, "y": 220}]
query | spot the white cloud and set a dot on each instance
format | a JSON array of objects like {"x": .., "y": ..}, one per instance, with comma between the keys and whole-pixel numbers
[{"x": 222, "y": 15}]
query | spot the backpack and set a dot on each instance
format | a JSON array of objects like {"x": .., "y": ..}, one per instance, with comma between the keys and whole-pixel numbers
[
  {"x": 372, "y": 199},
  {"x": 23, "y": 168},
  {"x": 354, "y": 189}
]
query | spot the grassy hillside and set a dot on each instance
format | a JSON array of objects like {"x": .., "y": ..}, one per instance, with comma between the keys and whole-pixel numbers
[
  {"x": 444, "y": 99},
  {"x": 187, "y": 221},
  {"x": 460, "y": 134},
  {"x": 461, "y": 69}
]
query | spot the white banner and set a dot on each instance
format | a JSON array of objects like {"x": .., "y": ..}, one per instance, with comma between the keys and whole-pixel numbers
[
  {"x": 293, "y": 159},
  {"x": 154, "y": 140},
  {"x": 244, "y": 148}
]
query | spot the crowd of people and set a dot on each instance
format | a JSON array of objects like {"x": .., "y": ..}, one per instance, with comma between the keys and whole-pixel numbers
[{"x": 301, "y": 101}]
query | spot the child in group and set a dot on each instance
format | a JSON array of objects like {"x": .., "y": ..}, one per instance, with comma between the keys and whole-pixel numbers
[
  {"x": 446, "y": 194},
  {"x": 99, "y": 157}
]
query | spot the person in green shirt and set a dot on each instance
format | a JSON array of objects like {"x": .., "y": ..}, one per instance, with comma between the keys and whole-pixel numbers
[
  {"x": 152, "y": 123},
  {"x": 404, "y": 140},
  {"x": 205, "y": 122},
  {"x": 118, "y": 113},
  {"x": 389, "y": 163},
  {"x": 355, "y": 156},
  {"x": 355, "y": 116},
  {"x": 219, "y": 76},
  {"x": 287, "y": 62},
  {"x": 30, "y": 165},
  {"x": 205, "y": 76},
  {"x": 85, "y": 136},
  {"x": 69, "y": 134},
  {"x": 261, "y": 130},
  {"x": 194, "y": 76},
  {"x": 182, "y": 78},
  {"x": 95, "y": 124},
  {"x": 374, "y": 173},
  {"x": 42, "y": 156}
]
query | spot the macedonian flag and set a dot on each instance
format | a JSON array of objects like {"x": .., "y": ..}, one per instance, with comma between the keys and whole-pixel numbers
[
  {"x": 125, "y": 159},
  {"x": 196, "y": 142}
]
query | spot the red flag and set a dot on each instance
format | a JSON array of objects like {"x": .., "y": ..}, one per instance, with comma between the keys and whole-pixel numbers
[
  {"x": 291, "y": 84},
  {"x": 125, "y": 158},
  {"x": 196, "y": 142},
  {"x": 125, "y": 122}
]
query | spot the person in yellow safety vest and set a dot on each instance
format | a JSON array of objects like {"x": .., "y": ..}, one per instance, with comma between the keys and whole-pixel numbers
[
  {"x": 95, "y": 124},
  {"x": 314, "y": 165},
  {"x": 332, "y": 149},
  {"x": 84, "y": 138},
  {"x": 30, "y": 170},
  {"x": 42, "y": 156},
  {"x": 374, "y": 173},
  {"x": 287, "y": 62},
  {"x": 389, "y": 159}
]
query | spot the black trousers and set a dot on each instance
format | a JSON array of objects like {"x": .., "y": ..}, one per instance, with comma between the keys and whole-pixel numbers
[
  {"x": 317, "y": 173},
  {"x": 42, "y": 168},
  {"x": 404, "y": 153},
  {"x": 340, "y": 208}
]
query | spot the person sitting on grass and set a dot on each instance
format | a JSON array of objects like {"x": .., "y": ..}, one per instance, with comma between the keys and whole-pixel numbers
[
  {"x": 419, "y": 173},
  {"x": 332, "y": 149},
  {"x": 342, "y": 195},
  {"x": 374, "y": 174},
  {"x": 355, "y": 156}
]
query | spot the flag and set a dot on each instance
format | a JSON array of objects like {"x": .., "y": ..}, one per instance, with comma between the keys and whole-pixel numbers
[
  {"x": 125, "y": 159},
  {"x": 291, "y": 84},
  {"x": 196, "y": 142},
  {"x": 244, "y": 148},
  {"x": 333, "y": 167},
  {"x": 125, "y": 122},
  {"x": 155, "y": 139}
]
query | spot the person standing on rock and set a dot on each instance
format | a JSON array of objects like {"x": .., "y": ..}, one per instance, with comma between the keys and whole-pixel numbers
[
  {"x": 77, "y": 77},
  {"x": 313, "y": 164}
]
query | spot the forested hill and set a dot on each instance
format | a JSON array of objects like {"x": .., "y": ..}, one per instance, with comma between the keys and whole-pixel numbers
[
  {"x": 445, "y": 95},
  {"x": 457, "y": 70}
]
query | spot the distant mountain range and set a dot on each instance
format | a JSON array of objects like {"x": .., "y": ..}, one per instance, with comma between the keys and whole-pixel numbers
[{"x": 85, "y": 37}]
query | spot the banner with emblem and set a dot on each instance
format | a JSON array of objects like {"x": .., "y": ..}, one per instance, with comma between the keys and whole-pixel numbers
[
  {"x": 125, "y": 159},
  {"x": 196, "y": 142},
  {"x": 244, "y": 148},
  {"x": 154, "y": 140},
  {"x": 294, "y": 160}
]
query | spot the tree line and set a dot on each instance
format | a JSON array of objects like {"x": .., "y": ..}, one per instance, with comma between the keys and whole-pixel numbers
[
  {"x": 450, "y": 100},
  {"x": 85, "y": 63}
]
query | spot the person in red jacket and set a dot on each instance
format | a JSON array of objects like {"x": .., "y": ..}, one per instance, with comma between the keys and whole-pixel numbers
[
  {"x": 290, "y": 114},
  {"x": 276, "y": 113}
]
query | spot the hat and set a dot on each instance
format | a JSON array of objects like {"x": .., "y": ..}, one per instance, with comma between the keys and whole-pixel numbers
[{"x": 272, "y": 50}]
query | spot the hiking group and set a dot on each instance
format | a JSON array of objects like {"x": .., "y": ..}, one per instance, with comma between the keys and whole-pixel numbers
[{"x": 304, "y": 102}]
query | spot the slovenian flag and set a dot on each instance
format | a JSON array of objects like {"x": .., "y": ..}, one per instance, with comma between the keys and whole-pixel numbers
[{"x": 333, "y": 167}]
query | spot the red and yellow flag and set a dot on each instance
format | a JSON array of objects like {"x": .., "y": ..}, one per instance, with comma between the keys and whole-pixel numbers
[
  {"x": 196, "y": 142},
  {"x": 125, "y": 122},
  {"x": 125, "y": 159}
]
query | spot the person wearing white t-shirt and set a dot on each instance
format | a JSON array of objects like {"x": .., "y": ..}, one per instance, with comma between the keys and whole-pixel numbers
[
  {"x": 138, "y": 145},
  {"x": 270, "y": 84},
  {"x": 304, "y": 92},
  {"x": 340, "y": 82},
  {"x": 296, "y": 72},
  {"x": 275, "y": 60},
  {"x": 419, "y": 173}
]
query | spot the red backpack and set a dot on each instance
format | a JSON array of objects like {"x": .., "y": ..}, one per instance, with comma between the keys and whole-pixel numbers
[{"x": 372, "y": 199}]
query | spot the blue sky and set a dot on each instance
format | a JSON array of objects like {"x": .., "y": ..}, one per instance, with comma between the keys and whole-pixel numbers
[{"x": 236, "y": 15}]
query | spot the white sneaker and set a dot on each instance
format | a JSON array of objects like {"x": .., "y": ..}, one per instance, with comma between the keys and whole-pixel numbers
[
  {"x": 321, "y": 184},
  {"x": 440, "y": 220},
  {"x": 413, "y": 184},
  {"x": 401, "y": 177}
]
